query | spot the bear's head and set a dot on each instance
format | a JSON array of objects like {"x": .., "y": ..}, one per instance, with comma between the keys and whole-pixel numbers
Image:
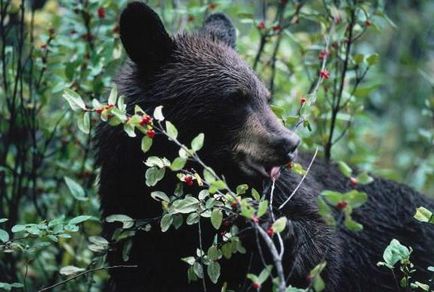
[{"x": 204, "y": 86}]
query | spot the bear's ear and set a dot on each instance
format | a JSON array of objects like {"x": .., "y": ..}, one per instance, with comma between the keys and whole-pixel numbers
[
  {"x": 220, "y": 27},
  {"x": 144, "y": 37}
]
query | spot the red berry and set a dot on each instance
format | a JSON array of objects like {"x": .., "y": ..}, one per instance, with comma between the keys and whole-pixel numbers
[
  {"x": 188, "y": 180},
  {"x": 145, "y": 120},
  {"x": 368, "y": 23},
  {"x": 337, "y": 19},
  {"x": 99, "y": 110},
  {"x": 341, "y": 205},
  {"x": 277, "y": 28},
  {"x": 323, "y": 54},
  {"x": 150, "y": 133},
  {"x": 256, "y": 285},
  {"x": 302, "y": 100},
  {"x": 270, "y": 231},
  {"x": 261, "y": 25},
  {"x": 324, "y": 74},
  {"x": 353, "y": 181},
  {"x": 43, "y": 46},
  {"x": 101, "y": 12}
]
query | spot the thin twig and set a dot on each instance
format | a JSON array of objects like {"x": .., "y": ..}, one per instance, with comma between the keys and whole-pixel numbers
[
  {"x": 301, "y": 181},
  {"x": 201, "y": 253},
  {"x": 85, "y": 273},
  {"x": 277, "y": 259}
]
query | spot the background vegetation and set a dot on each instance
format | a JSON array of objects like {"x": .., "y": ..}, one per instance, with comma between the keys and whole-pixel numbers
[{"x": 47, "y": 174}]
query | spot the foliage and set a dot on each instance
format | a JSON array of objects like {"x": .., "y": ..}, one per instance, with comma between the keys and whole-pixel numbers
[{"x": 323, "y": 62}]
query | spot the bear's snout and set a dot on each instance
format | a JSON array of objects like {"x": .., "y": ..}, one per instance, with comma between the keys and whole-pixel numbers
[{"x": 286, "y": 146}]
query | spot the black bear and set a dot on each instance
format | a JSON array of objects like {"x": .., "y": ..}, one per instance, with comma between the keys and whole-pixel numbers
[{"x": 204, "y": 86}]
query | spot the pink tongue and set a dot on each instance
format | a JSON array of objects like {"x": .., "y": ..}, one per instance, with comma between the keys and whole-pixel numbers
[{"x": 274, "y": 173}]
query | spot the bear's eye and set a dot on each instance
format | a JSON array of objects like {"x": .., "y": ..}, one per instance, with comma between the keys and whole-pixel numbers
[{"x": 238, "y": 96}]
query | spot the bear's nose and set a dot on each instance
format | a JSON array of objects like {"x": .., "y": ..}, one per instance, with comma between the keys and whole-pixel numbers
[{"x": 289, "y": 144}]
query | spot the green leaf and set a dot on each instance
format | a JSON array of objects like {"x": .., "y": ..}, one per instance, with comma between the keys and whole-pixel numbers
[
  {"x": 70, "y": 270},
  {"x": 185, "y": 206},
  {"x": 189, "y": 260},
  {"x": 263, "y": 276},
  {"x": 227, "y": 250},
  {"x": 256, "y": 195},
  {"x": 113, "y": 95},
  {"x": 79, "y": 219},
  {"x": 373, "y": 59},
  {"x": 298, "y": 168},
  {"x": 3, "y": 220},
  {"x": 178, "y": 164},
  {"x": 355, "y": 198},
  {"x": 197, "y": 142},
  {"x": 208, "y": 176},
  {"x": 352, "y": 225},
  {"x": 279, "y": 225},
  {"x": 216, "y": 218},
  {"x": 216, "y": 185},
  {"x": 154, "y": 175},
  {"x": 157, "y": 161},
  {"x": 4, "y": 236},
  {"x": 364, "y": 179},
  {"x": 394, "y": 253},
  {"x": 358, "y": 58},
  {"x": 165, "y": 222},
  {"x": 203, "y": 194},
  {"x": 177, "y": 220},
  {"x": 192, "y": 218},
  {"x": 214, "y": 271},
  {"x": 262, "y": 208},
  {"x": 160, "y": 196},
  {"x": 332, "y": 197},
  {"x": 98, "y": 240},
  {"x": 9, "y": 286},
  {"x": 420, "y": 285},
  {"x": 18, "y": 228},
  {"x": 127, "y": 221},
  {"x": 146, "y": 144},
  {"x": 345, "y": 169},
  {"x": 74, "y": 99},
  {"x": 253, "y": 278},
  {"x": 129, "y": 129},
  {"x": 84, "y": 123},
  {"x": 198, "y": 270},
  {"x": 75, "y": 189},
  {"x": 214, "y": 253},
  {"x": 171, "y": 130},
  {"x": 246, "y": 209},
  {"x": 242, "y": 189},
  {"x": 158, "y": 113},
  {"x": 424, "y": 215},
  {"x": 325, "y": 211}
]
